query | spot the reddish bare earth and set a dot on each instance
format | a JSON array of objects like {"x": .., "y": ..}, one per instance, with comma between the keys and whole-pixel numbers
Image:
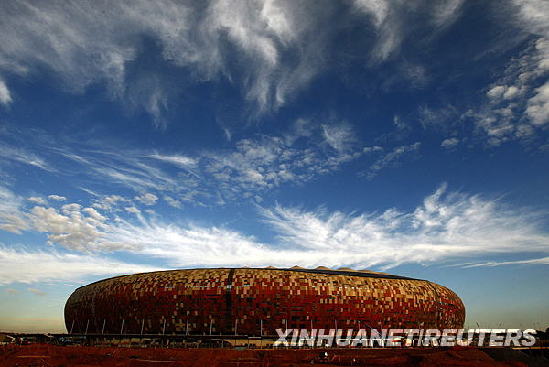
[{"x": 72, "y": 356}]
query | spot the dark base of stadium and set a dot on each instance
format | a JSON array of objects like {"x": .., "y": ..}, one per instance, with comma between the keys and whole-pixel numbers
[{"x": 57, "y": 356}]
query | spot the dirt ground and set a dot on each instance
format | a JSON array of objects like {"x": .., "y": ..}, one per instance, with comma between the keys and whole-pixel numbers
[{"x": 76, "y": 356}]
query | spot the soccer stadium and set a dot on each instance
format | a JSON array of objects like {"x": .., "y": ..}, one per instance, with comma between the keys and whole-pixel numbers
[{"x": 256, "y": 302}]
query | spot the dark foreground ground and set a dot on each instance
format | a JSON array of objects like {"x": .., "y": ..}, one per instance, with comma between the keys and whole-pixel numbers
[{"x": 76, "y": 356}]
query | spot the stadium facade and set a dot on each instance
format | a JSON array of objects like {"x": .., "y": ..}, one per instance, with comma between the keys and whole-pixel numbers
[{"x": 257, "y": 301}]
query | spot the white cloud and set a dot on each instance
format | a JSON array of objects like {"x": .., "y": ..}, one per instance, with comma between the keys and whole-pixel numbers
[
  {"x": 283, "y": 44},
  {"x": 391, "y": 159},
  {"x": 108, "y": 202},
  {"x": 130, "y": 169},
  {"x": 378, "y": 10},
  {"x": 375, "y": 148},
  {"x": 178, "y": 160},
  {"x": 392, "y": 23},
  {"x": 446, "y": 227},
  {"x": 37, "y": 200},
  {"x": 538, "y": 261},
  {"x": 138, "y": 171},
  {"x": 538, "y": 105},
  {"x": 339, "y": 136},
  {"x": 173, "y": 202},
  {"x": 248, "y": 168},
  {"x": 402, "y": 129},
  {"x": 25, "y": 266},
  {"x": 57, "y": 198},
  {"x": 533, "y": 16},
  {"x": 132, "y": 209},
  {"x": 256, "y": 164},
  {"x": 516, "y": 104},
  {"x": 147, "y": 198},
  {"x": 449, "y": 143},
  {"x": 19, "y": 155},
  {"x": 190, "y": 245},
  {"x": 496, "y": 92},
  {"x": 12, "y": 217},
  {"x": 5, "y": 96},
  {"x": 503, "y": 92},
  {"x": 68, "y": 226},
  {"x": 87, "y": 43},
  {"x": 267, "y": 162},
  {"x": 518, "y": 101},
  {"x": 439, "y": 118},
  {"x": 94, "y": 214}
]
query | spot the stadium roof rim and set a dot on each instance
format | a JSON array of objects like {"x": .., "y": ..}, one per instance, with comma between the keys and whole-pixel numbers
[{"x": 354, "y": 273}]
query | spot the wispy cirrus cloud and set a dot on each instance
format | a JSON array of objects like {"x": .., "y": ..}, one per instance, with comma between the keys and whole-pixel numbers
[
  {"x": 537, "y": 261},
  {"x": 249, "y": 168},
  {"x": 12, "y": 217},
  {"x": 339, "y": 136},
  {"x": 517, "y": 106},
  {"x": 174, "y": 203},
  {"x": 20, "y": 265},
  {"x": 132, "y": 169},
  {"x": 85, "y": 43},
  {"x": 267, "y": 162},
  {"x": 391, "y": 158},
  {"x": 11, "y": 154},
  {"x": 147, "y": 198},
  {"x": 5, "y": 95},
  {"x": 532, "y": 15},
  {"x": 449, "y": 143},
  {"x": 37, "y": 200},
  {"x": 514, "y": 107},
  {"x": 284, "y": 44},
  {"x": 393, "y": 24},
  {"x": 177, "y": 160},
  {"x": 446, "y": 228}
]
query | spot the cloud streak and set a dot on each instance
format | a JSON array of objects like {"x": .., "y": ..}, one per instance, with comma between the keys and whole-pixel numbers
[
  {"x": 445, "y": 228},
  {"x": 5, "y": 95},
  {"x": 19, "y": 155},
  {"x": 26, "y": 266},
  {"x": 12, "y": 217},
  {"x": 392, "y": 158},
  {"x": 284, "y": 44},
  {"x": 393, "y": 24},
  {"x": 538, "y": 261},
  {"x": 248, "y": 169}
]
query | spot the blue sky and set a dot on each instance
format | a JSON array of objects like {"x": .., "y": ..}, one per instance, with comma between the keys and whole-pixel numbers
[{"x": 401, "y": 136}]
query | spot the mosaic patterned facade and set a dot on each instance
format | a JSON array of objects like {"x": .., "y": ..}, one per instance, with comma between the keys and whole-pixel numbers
[{"x": 251, "y": 301}]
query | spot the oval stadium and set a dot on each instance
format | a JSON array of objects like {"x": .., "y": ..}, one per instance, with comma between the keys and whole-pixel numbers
[{"x": 257, "y": 301}]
